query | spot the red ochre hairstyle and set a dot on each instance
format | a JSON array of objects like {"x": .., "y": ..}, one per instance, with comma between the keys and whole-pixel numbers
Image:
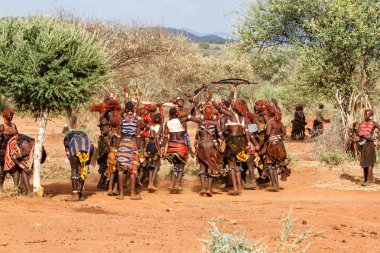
[
  {"x": 7, "y": 112},
  {"x": 208, "y": 111},
  {"x": 241, "y": 106},
  {"x": 111, "y": 106},
  {"x": 106, "y": 106},
  {"x": 250, "y": 116}
]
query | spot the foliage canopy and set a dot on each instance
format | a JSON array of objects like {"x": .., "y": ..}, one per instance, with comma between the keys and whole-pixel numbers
[
  {"x": 49, "y": 64},
  {"x": 337, "y": 41}
]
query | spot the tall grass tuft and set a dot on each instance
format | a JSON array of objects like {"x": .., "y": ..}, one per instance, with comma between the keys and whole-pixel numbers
[
  {"x": 288, "y": 241},
  {"x": 221, "y": 242}
]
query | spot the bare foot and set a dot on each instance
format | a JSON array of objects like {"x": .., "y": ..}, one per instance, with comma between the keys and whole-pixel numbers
[
  {"x": 112, "y": 193},
  {"x": 152, "y": 188},
  {"x": 75, "y": 197},
  {"x": 172, "y": 190},
  {"x": 250, "y": 186},
  {"x": 272, "y": 189},
  {"x": 209, "y": 193},
  {"x": 120, "y": 197},
  {"x": 136, "y": 197},
  {"x": 203, "y": 191},
  {"x": 233, "y": 193}
]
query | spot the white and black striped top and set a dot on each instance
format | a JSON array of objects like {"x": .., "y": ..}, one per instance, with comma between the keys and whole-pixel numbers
[{"x": 129, "y": 128}]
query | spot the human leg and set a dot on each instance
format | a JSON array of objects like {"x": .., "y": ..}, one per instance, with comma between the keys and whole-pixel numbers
[
  {"x": 252, "y": 180},
  {"x": 209, "y": 185},
  {"x": 120, "y": 182},
  {"x": 2, "y": 177},
  {"x": 181, "y": 169},
  {"x": 25, "y": 182},
  {"x": 370, "y": 178},
  {"x": 202, "y": 176},
  {"x": 273, "y": 177},
  {"x": 233, "y": 174},
  {"x": 134, "y": 194}
]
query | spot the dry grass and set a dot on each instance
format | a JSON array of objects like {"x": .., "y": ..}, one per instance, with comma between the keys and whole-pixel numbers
[
  {"x": 8, "y": 189},
  {"x": 56, "y": 168},
  {"x": 347, "y": 186},
  {"x": 289, "y": 240},
  {"x": 191, "y": 168},
  {"x": 330, "y": 146},
  {"x": 349, "y": 176}
]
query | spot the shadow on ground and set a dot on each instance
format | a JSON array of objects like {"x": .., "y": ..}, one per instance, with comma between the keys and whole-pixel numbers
[{"x": 356, "y": 180}]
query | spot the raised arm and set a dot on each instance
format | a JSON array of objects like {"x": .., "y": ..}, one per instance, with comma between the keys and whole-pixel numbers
[
  {"x": 187, "y": 116},
  {"x": 222, "y": 110},
  {"x": 219, "y": 131},
  {"x": 126, "y": 95},
  {"x": 138, "y": 135},
  {"x": 189, "y": 113},
  {"x": 161, "y": 108},
  {"x": 232, "y": 94}
]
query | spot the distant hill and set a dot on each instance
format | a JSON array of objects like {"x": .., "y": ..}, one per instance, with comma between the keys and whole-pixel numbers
[{"x": 214, "y": 39}]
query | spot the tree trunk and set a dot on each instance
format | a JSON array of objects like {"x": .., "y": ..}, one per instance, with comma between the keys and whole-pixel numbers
[
  {"x": 43, "y": 118},
  {"x": 72, "y": 119}
]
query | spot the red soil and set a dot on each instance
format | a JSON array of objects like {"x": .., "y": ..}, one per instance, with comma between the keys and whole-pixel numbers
[{"x": 348, "y": 221}]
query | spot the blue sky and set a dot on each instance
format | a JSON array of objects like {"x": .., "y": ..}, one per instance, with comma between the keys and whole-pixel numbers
[{"x": 203, "y": 16}]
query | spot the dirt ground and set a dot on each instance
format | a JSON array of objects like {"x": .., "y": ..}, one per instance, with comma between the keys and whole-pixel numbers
[{"x": 327, "y": 200}]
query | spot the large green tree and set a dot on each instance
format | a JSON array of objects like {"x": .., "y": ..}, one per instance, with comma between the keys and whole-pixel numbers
[
  {"x": 338, "y": 44},
  {"x": 47, "y": 65}
]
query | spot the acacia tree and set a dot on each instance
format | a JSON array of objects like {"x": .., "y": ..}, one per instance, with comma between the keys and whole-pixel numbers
[
  {"x": 46, "y": 66},
  {"x": 338, "y": 44}
]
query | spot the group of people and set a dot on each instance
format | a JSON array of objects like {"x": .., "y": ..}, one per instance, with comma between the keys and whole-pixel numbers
[
  {"x": 230, "y": 143},
  {"x": 362, "y": 137},
  {"x": 299, "y": 123}
]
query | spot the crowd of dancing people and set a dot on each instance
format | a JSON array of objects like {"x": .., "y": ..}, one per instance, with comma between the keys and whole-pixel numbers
[
  {"x": 238, "y": 147},
  {"x": 231, "y": 143}
]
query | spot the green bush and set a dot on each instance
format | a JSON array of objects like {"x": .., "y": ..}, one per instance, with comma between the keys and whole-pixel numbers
[{"x": 204, "y": 46}]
